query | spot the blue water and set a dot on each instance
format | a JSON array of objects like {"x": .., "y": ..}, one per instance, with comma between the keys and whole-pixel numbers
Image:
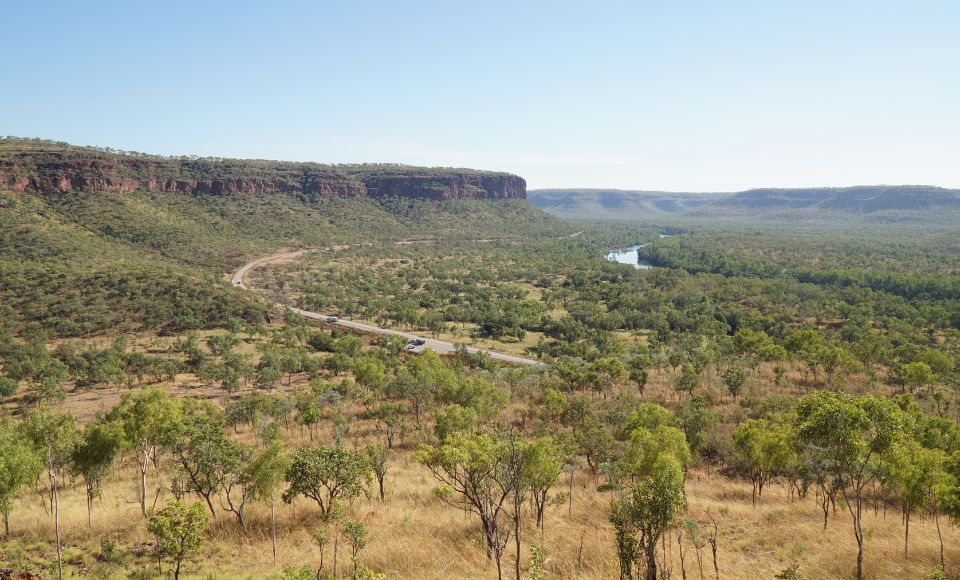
[{"x": 630, "y": 256}]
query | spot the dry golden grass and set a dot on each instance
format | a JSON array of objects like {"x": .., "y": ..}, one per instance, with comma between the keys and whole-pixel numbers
[{"x": 413, "y": 535}]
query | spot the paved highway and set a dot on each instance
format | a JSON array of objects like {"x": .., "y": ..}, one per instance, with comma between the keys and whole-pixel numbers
[{"x": 438, "y": 346}]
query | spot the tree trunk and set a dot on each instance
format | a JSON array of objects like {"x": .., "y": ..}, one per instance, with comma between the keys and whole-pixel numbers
[
  {"x": 89, "y": 507},
  {"x": 516, "y": 537},
  {"x": 143, "y": 480},
  {"x": 826, "y": 510},
  {"x": 320, "y": 569},
  {"x": 713, "y": 548},
  {"x": 856, "y": 510},
  {"x": 683, "y": 567},
  {"x": 56, "y": 521},
  {"x": 936, "y": 518},
  {"x": 487, "y": 536},
  {"x": 906, "y": 533},
  {"x": 213, "y": 512},
  {"x": 651, "y": 551},
  {"x": 273, "y": 528},
  {"x": 539, "y": 502},
  {"x": 336, "y": 542}
]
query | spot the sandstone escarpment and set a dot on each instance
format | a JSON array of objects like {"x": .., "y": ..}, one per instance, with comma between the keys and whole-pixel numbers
[
  {"x": 50, "y": 168},
  {"x": 452, "y": 186}
]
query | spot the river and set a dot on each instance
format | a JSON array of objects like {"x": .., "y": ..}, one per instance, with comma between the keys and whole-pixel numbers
[{"x": 630, "y": 256}]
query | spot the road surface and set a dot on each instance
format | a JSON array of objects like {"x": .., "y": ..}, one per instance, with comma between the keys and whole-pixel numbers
[{"x": 438, "y": 346}]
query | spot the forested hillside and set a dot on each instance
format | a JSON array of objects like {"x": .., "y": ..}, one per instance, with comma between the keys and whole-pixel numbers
[{"x": 97, "y": 239}]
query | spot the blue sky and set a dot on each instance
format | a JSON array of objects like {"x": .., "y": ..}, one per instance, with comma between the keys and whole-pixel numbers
[{"x": 683, "y": 96}]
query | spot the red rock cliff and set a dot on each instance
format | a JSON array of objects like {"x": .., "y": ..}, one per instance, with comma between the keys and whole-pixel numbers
[{"x": 49, "y": 169}]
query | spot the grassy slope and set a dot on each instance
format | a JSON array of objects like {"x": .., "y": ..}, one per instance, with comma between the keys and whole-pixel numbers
[{"x": 58, "y": 278}]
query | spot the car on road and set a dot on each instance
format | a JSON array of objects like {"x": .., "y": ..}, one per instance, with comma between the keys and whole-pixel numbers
[
  {"x": 410, "y": 346},
  {"x": 416, "y": 342},
  {"x": 332, "y": 319}
]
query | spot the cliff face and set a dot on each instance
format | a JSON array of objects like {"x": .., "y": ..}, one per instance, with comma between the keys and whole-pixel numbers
[
  {"x": 51, "y": 169},
  {"x": 449, "y": 186}
]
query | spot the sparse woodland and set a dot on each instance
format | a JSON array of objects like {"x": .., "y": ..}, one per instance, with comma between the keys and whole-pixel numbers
[{"x": 767, "y": 402}]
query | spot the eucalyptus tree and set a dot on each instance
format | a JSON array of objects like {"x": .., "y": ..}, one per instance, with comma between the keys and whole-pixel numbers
[
  {"x": 595, "y": 442},
  {"x": 919, "y": 476},
  {"x": 98, "y": 447},
  {"x": 209, "y": 460},
  {"x": 356, "y": 535},
  {"x": 850, "y": 433},
  {"x": 697, "y": 421},
  {"x": 544, "y": 461},
  {"x": 734, "y": 378},
  {"x": 20, "y": 465},
  {"x": 916, "y": 374},
  {"x": 475, "y": 475},
  {"x": 264, "y": 480},
  {"x": 8, "y": 388},
  {"x": 377, "y": 456},
  {"x": 147, "y": 417},
  {"x": 765, "y": 447},
  {"x": 420, "y": 380},
  {"x": 389, "y": 419},
  {"x": 644, "y": 512},
  {"x": 326, "y": 475},
  {"x": 43, "y": 373},
  {"x": 54, "y": 436},
  {"x": 179, "y": 529},
  {"x": 647, "y": 446}
]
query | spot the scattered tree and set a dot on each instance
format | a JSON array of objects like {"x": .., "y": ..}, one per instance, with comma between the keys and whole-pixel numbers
[
  {"x": 325, "y": 475},
  {"x": 179, "y": 529}
]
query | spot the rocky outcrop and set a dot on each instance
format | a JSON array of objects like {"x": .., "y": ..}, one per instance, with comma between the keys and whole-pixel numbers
[
  {"x": 59, "y": 168},
  {"x": 455, "y": 186}
]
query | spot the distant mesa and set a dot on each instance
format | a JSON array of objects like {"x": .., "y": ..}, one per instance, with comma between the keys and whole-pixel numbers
[
  {"x": 617, "y": 203},
  {"x": 51, "y": 168},
  {"x": 864, "y": 198},
  {"x": 768, "y": 203}
]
